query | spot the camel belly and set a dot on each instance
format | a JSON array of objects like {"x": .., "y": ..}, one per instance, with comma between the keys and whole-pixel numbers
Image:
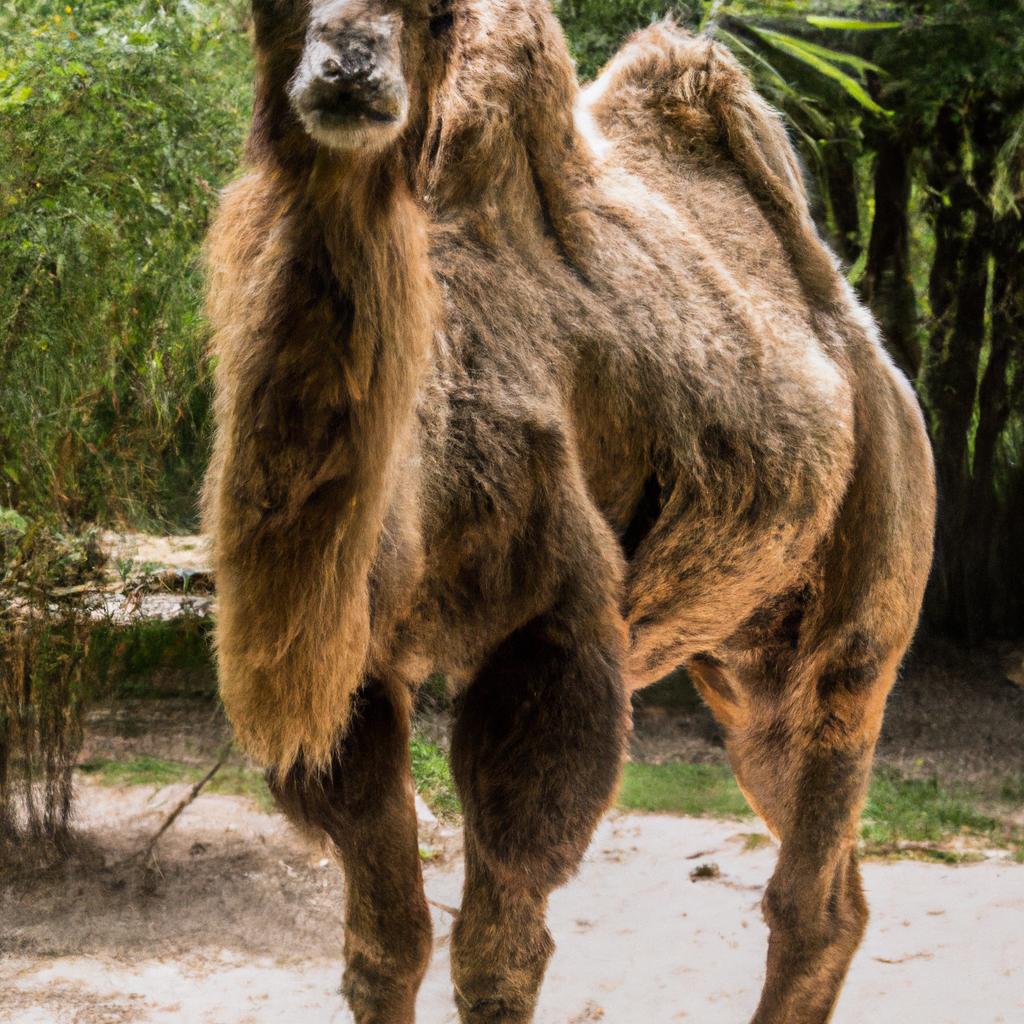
[{"x": 720, "y": 488}]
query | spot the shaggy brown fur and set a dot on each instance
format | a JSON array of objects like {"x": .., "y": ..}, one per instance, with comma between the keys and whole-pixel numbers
[{"x": 551, "y": 392}]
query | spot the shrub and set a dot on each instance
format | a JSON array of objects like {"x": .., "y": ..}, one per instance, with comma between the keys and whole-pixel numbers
[
  {"x": 116, "y": 130},
  {"x": 44, "y": 642}
]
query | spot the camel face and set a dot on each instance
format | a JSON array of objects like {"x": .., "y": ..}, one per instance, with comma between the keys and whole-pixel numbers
[{"x": 349, "y": 90}]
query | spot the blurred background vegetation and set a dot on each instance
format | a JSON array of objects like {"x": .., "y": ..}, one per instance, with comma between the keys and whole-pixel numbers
[
  {"x": 120, "y": 120},
  {"x": 118, "y": 123}
]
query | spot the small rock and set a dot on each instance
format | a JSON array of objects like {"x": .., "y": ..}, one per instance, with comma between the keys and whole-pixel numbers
[{"x": 1013, "y": 666}]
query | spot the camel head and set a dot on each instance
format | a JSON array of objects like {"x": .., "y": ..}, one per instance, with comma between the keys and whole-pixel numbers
[{"x": 354, "y": 72}]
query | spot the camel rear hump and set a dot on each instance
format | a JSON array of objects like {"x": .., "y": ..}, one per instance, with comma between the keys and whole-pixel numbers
[{"x": 685, "y": 94}]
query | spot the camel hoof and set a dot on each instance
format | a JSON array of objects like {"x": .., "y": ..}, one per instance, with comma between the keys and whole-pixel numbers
[
  {"x": 495, "y": 1009},
  {"x": 374, "y": 999}
]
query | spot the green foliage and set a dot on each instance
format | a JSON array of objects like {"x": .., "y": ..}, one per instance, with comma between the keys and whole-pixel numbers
[
  {"x": 45, "y": 628},
  {"x": 699, "y": 790},
  {"x": 850, "y": 24},
  {"x": 59, "y": 649},
  {"x": 119, "y": 122},
  {"x": 37, "y": 560},
  {"x": 950, "y": 48},
  {"x": 153, "y": 658},
  {"x": 230, "y": 780},
  {"x": 434, "y": 778},
  {"x": 902, "y": 816},
  {"x": 596, "y": 28},
  {"x": 825, "y": 62}
]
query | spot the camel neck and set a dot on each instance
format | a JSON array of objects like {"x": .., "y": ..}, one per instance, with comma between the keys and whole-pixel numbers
[
  {"x": 357, "y": 219},
  {"x": 323, "y": 306}
]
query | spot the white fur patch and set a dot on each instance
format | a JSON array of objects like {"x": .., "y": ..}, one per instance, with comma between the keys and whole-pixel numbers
[{"x": 586, "y": 124}]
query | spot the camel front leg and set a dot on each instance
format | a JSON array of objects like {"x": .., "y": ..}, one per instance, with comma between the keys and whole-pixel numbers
[
  {"x": 537, "y": 749},
  {"x": 365, "y": 804}
]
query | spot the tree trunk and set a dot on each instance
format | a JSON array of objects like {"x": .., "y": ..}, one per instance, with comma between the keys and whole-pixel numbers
[
  {"x": 989, "y": 581},
  {"x": 887, "y": 285},
  {"x": 959, "y": 292},
  {"x": 840, "y": 180}
]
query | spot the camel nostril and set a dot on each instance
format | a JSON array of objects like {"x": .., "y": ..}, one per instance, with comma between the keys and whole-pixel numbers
[
  {"x": 348, "y": 63},
  {"x": 331, "y": 70}
]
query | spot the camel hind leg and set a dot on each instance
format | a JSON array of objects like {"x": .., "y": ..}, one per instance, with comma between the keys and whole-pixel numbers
[
  {"x": 364, "y": 803},
  {"x": 801, "y": 735},
  {"x": 537, "y": 749}
]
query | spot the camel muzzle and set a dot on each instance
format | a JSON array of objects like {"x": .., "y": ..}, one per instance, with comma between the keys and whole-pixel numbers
[{"x": 349, "y": 90}]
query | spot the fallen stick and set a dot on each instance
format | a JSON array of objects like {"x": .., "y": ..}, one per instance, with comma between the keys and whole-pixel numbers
[
  {"x": 444, "y": 907},
  {"x": 147, "y": 851}
]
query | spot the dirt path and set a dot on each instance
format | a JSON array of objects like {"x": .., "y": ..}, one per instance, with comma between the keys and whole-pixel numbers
[{"x": 240, "y": 923}]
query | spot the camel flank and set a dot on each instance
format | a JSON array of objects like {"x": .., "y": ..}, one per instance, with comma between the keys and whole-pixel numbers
[{"x": 551, "y": 392}]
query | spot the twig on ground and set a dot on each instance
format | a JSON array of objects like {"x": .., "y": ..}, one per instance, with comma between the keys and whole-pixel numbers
[
  {"x": 444, "y": 907},
  {"x": 147, "y": 851}
]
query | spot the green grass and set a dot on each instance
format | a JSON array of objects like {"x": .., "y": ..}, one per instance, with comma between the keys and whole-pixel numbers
[
  {"x": 434, "y": 779},
  {"x": 929, "y": 815},
  {"x": 139, "y": 771},
  {"x": 919, "y": 811},
  {"x": 429, "y": 764},
  {"x": 907, "y": 817},
  {"x": 697, "y": 790},
  {"x": 904, "y": 817},
  {"x": 237, "y": 780},
  {"x": 755, "y": 841},
  {"x": 231, "y": 780}
]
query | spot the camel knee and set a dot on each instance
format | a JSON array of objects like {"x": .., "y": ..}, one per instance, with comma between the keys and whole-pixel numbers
[
  {"x": 364, "y": 780},
  {"x": 396, "y": 959},
  {"x": 497, "y": 981},
  {"x": 383, "y": 990},
  {"x": 537, "y": 750},
  {"x": 813, "y": 918}
]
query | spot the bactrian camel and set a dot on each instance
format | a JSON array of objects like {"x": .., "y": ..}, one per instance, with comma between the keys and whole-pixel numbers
[{"x": 551, "y": 392}]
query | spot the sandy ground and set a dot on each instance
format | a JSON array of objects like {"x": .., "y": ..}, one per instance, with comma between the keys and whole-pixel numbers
[{"x": 240, "y": 922}]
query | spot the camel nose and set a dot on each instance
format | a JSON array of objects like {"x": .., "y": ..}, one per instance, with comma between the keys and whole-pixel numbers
[{"x": 347, "y": 67}]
